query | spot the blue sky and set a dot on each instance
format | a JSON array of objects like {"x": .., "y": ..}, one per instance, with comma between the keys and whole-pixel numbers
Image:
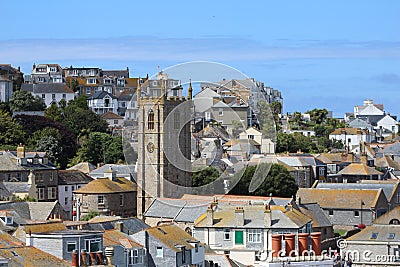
[{"x": 331, "y": 54}]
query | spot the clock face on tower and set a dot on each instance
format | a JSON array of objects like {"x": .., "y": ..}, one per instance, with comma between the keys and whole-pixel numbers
[{"x": 150, "y": 147}]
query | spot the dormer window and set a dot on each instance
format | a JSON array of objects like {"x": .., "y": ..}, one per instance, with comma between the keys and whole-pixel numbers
[
  {"x": 35, "y": 160},
  {"x": 53, "y": 69},
  {"x": 91, "y": 81},
  {"x": 8, "y": 220},
  {"x": 107, "y": 81}
]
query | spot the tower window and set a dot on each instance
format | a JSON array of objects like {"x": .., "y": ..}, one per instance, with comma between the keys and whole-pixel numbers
[
  {"x": 150, "y": 120},
  {"x": 177, "y": 120}
]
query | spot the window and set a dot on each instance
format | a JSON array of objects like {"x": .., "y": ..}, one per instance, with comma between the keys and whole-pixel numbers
[
  {"x": 154, "y": 83},
  {"x": 196, "y": 248},
  {"x": 183, "y": 255},
  {"x": 88, "y": 90},
  {"x": 91, "y": 81},
  {"x": 207, "y": 116},
  {"x": 53, "y": 96},
  {"x": 239, "y": 238},
  {"x": 64, "y": 96},
  {"x": 53, "y": 69},
  {"x": 374, "y": 235},
  {"x": 221, "y": 112},
  {"x": 66, "y": 201},
  {"x": 321, "y": 172},
  {"x": 51, "y": 192},
  {"x": 150, "y": 120},
  {"x": 330, "y": 212},
  {"x": 7, "y": 220},
  {"x": 121, "y": 199},
  {"x": 115, "y": 121},
  {"x": 177, "y": 120},
  {"x": 71, "y": 246},
  {"x": 93, "y": 245},
  {"x": 250, "y": 136},
  {"x": 136, "y": 256},
  {"x": 227, "y": 234},
  {"x": 100, "y": 200},
  {"x": 40, "y": 193},
  {"x": 356, "y": 213},
  {"x": 391, "y": 235},
  {"x": 40, "y": 79},
  {"x": 43, "y": 96},
  {"x": 254, "y": 236},
  {"x": 66, "y": 188},
  {"x": 159, "y": 252}
]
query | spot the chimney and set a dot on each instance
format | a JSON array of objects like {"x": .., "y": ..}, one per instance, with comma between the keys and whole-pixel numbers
[
  {"x": 83, "y": 258},
  {"x": 109, "y": 252},
  {"x": 210, "y": 216},
  {"x": 119, "y": 226},
  {"x": 110, "y": 174},
  {"x": 267, "y": 216},
  {"x": 75, "y": 259},
  {"x": 29, "y": 240},
  {"x": 239, "y": 216},
  {"x": 20, "y": 151}
]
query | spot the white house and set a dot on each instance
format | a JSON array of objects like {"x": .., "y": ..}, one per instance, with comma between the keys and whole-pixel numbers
[
  {"x": 6, "y": 87},
  {"x": 267, "y": 146},
  {"x": 351, "y": 137},
  {"x": 102, "y": 102},
  {"x": 368, "y": 109},
  {"x": 388, "y": 123},
  {"x": 50, "y": 92}
]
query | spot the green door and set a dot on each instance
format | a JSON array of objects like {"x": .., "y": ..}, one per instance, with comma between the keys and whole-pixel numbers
[{"x": 238, "y": 237}]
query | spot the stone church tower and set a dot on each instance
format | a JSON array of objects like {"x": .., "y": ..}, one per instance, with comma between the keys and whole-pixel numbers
[{"x": 164, "y": 146}]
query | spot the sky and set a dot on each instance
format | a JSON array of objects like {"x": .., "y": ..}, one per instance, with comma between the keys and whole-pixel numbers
[{"x": 319, "y": 54}]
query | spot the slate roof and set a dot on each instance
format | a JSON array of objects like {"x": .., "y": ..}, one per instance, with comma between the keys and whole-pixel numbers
[
  {"x": 349, "y": 131},
  {"x": 16, "y": 187},
  {"x": 385, "y": 219},
  {"x": 314, "y": 211},
  {"x": 106, "y": 186},
  {"x": 84, "y": 167},
  {"x": 293, "y": 161},
  {"x": 130, "y": 225},
  {"x": 111, "y": 116},
  {"x": 381, "y": 233},
  {"x": 387, "y": 188},
  {"x": 392, "y": 149},
  {"x": 359, "y": 169},
  {"x": 66, "y": 177},
  {"x": 7, "y": 162},
  {"x": 113, "y": 238},
  {"x": 119, "y": 168},
  {"x": 221, "y": 259},
  {"x": 115, "y": 73},
  {"x": 255, "y": 217},
  {"x": 9, "y": 68},
  {"x": 340, "y": 198},
  {"x": 49, "y": 88},
  {"x": 125, "y": 96},
  {"x": 172, "y": 236},
  {"x": 101, "y": 95},
  {"x": 338, "y": 157}
]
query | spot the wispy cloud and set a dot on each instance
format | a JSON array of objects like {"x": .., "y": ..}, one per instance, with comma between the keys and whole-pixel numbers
[
  {"x": 144, "y": 48},
  {"x": 388, "y": 78}
]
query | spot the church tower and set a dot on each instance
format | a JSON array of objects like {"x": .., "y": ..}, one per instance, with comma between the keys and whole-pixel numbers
[{"x": 164, "y": 139}]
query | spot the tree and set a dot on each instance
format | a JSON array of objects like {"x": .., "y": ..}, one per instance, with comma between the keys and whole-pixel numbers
[
  {"x": 49, "y": 140},
  {"x": 54, "y": 112},
  {"x": 73, "y": 84},
  {"x": 90, "y": 215},
  {"x": 318, "y": 116},
  {"x": 22, "y": 100},
  {"x": 277, "y": 181},
  {"x": 32, "y": 124},
  {"x": 284, "y": 142},
  {"x": 11, "y": 132},
  {"x": 100, "y": 148},
  {"x": 205, "y": 176}
]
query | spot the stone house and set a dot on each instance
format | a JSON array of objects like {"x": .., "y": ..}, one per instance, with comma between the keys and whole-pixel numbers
[
  {"x": 45, "y": 73},
  {"x": 347, "y": 207},
  {"x": 12, "y": 74},
  {"x": 170, "y": 246},
  {"x": 107, "y": 196},
  {"x": 68, "y": 181}
]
